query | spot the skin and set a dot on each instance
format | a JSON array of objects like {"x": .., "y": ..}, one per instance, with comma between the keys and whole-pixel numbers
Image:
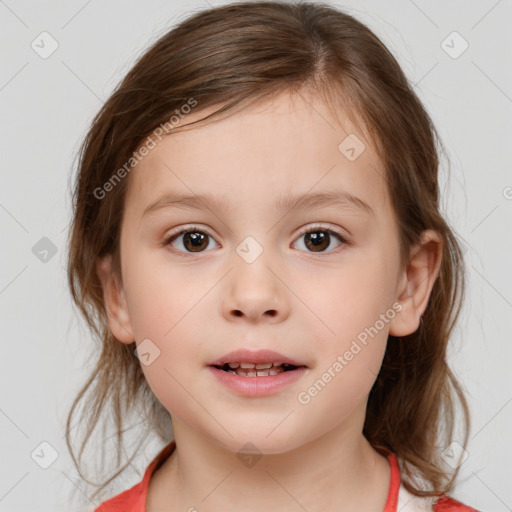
[{"x": 197, "y": 306}]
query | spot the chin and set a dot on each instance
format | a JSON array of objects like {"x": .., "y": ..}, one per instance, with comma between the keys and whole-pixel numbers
[{"x": 259, "y": 443}]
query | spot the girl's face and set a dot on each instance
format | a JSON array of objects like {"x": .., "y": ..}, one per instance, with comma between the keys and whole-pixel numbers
[{"x": 247, "y": 277}]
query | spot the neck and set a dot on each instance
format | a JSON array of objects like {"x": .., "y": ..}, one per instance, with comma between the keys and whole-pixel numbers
[{"x": 338, "y": 471}]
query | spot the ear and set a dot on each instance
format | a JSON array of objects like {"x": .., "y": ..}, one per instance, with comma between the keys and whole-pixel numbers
[
  {"x": 417, "y": 282},
  {"x": 115, "y": 303}
]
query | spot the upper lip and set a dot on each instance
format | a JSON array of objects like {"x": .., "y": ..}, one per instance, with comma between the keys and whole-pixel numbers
[{"x": 255, "y": 357}]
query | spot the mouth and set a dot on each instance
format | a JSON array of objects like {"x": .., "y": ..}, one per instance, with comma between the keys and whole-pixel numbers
[
  {"x": 258, "y": 373},
  {"x": 257, "y": 370},
  {"x": 260, "y": 363}
]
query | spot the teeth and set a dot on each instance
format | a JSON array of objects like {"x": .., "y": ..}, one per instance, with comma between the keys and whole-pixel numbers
[
  {"x": 257, "y": 370},
  {"x": 266, "y": 373},
  {"x": 259, "y": 366},
  {"x": 259, "y": 373},
  {"x": 263, "y": 366}
]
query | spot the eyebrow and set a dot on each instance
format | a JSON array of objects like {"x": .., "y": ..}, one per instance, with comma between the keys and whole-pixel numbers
[{"x": 287, "y": 202}]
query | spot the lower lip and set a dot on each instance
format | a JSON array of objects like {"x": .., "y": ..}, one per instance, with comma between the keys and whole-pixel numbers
[{"x": 257, "y": 386}]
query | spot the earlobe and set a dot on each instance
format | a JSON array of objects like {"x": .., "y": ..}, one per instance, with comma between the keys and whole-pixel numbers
[
  {"x": 115, "y": 302},
  {"x": 417, "y": 283}
]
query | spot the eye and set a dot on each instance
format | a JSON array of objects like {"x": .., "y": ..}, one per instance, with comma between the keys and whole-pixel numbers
[
  {"x": 194, "y": 240},
  {"x": 318, "y": 238}
]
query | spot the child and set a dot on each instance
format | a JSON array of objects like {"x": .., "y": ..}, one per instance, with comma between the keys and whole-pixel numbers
[{"x": 257, "y": 243}]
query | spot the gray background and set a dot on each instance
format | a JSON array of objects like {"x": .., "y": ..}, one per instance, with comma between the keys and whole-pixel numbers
[{"x": 46, "y": 105}]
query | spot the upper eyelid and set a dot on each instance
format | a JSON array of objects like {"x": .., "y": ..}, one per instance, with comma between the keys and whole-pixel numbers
[
  {"x": 306, "y": 228},
  {"x": 319, "y": 226},
  {"x": 191, "y": 228},
  {"x": 302, "y": 231}
]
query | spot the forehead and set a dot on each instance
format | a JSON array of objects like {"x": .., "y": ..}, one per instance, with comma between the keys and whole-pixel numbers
[{"x": 283, "y": 145}]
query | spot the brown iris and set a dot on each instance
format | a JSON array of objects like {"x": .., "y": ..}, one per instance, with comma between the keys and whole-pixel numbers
[
  {"x": 195, "y": 241},
  {"x": 318, "y": 239}
]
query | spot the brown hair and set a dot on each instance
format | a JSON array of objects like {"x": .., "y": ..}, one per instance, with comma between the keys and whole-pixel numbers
[{"x": 231, "y": 56}]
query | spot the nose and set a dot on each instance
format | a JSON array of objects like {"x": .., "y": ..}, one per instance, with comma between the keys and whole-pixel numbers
[{"x": 255, "y": 292}]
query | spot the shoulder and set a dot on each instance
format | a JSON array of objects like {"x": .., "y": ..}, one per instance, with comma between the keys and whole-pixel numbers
[
  {"x": 131, "y": 500},
  {"x": 134, "y": 499},
  {"x": 408, "y": 502},
  {"x": 447, "y": 504}
]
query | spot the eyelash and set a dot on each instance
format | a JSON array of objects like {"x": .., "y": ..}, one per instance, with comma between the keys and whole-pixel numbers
[{"x": 196, "y": 229}]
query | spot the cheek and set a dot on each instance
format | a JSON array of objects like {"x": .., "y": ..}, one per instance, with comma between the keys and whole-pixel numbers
[
  {"x": 353, "y": 311},
  {"x": 345, "y": 299},
  {"x": 177, "y": 336},
  {"x": 346, "y": 370},
  {"x": 161, "y": 294},
  {"x": 167, "y": 317},
  {"x": 170, "y": 384}
]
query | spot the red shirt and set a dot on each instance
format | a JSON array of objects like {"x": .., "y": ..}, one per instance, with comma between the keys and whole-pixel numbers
[{"x": 134, "y": 499}]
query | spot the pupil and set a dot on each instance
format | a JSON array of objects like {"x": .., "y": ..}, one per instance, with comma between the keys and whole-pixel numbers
[
  {"x": 318, "y": 239},
  {"x": 195, "y": 238}
]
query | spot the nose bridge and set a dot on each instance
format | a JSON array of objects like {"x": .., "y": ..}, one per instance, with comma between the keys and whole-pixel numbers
[{"x": 253, "y": 264}]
